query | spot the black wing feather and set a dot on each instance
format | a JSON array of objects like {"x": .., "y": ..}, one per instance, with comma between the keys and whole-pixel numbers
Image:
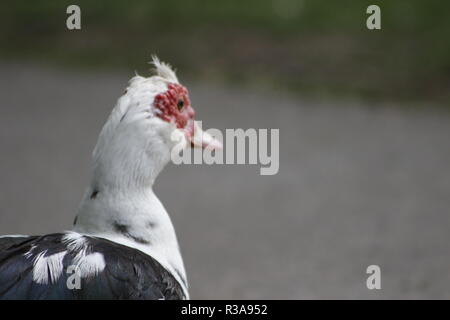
[{"x": 128, "y": 274}]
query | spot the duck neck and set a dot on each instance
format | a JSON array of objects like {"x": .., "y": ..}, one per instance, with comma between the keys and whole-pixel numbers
[{"x": 132, "y": 216}]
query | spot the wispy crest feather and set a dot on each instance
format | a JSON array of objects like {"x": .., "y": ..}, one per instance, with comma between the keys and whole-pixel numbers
[{"x": 164, "y": 70}]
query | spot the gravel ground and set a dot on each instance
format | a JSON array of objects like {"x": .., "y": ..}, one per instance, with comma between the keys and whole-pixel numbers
[{"x": 357, "y": 185}]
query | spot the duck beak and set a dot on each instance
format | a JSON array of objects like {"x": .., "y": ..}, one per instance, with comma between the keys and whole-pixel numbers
[{"x": 202, "y": 139}]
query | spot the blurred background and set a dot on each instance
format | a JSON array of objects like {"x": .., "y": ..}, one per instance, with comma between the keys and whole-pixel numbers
[{"x": 364, "y": 123}]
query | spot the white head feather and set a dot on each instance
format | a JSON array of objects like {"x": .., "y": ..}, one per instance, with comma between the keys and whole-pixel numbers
[
  {"x": 134, "y": 145},
  {"x": 164, "y": 70}
]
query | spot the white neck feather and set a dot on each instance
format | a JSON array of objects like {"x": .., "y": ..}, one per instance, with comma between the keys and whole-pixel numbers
[{"x": 136, "y": 219}]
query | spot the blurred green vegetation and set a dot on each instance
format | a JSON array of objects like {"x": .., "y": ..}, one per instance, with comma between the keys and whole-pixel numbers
[{"x": 312, "y": 47}]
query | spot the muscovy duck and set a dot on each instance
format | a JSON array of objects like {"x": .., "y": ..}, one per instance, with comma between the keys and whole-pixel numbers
[{"x": 123, "y": 244}]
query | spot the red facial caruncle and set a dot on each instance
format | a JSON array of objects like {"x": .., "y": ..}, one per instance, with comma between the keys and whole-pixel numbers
[{"x": 175, "y": 107}]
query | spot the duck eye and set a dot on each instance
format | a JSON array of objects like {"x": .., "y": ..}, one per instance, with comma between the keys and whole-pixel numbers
[{"x": 180, "y": 105}]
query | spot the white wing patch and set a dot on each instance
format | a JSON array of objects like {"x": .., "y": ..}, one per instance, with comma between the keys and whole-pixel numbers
[
  {"x": 90, "y": 265},
  {"x": 74, "y": 241},
  {"x": 48, "y": 269}
]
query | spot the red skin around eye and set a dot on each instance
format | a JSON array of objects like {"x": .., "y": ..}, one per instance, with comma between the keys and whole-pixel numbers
[{"x": 167, "y": 105}]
